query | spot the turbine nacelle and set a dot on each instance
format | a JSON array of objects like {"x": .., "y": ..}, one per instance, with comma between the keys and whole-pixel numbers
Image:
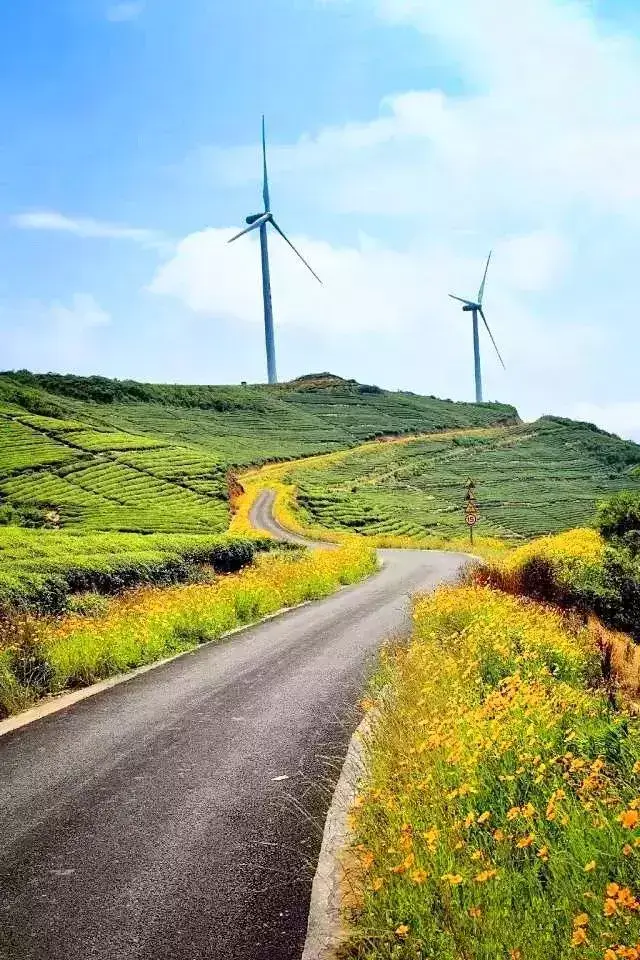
[{"x": 252, "y": 219}]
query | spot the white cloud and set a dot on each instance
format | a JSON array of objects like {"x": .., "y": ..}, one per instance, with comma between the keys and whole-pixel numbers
[
  {"x": 83, "y": 313},
  {"x": 122, "y": 12},
  {"x": 50, "y": 220},
  {"x": 375, "y": 298}
]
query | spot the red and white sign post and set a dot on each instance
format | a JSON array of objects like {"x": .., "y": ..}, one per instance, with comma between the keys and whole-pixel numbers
[{"x": 471, "y": 508}]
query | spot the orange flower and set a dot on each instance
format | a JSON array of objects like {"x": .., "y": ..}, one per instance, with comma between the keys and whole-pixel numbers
[
  {"x": 627, "y": 850},
  {"x": 581, "y": 920},
  {"x": 613, "y": 889},
  {"x": 516, "y": 955},
  {"x": 543, "y": 854},
  {"x": 610, "y": 955},
  {"x": 610, "y": 908},
  {"x": 579, "y": 937},
  {"x": 627, "y": 899},
  {"x": 453, "y": 878},
  {"x": 475, "y": 912},
  {"x": 499, "y": 835},
  {"x": 485, "y": 875},
  {"x": 366, "y": 860},
  {"x": 484, "y": 817},
  {"x": 419, "y": 876},
  {"x": 513, "y": 813},
  {"x": 629, "y": 819},
  {"x": 377, "y": 884},
  {"x": 402, "y": 931},
  {"x": 524, "y": 842}
]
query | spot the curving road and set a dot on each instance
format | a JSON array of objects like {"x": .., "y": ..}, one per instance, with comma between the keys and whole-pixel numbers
[{"x": 179, "y": 815}]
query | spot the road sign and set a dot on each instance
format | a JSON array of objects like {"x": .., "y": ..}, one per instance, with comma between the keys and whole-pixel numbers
[
  {"x": 471, "y": 507},
  {"x": 472, "y": 519}
]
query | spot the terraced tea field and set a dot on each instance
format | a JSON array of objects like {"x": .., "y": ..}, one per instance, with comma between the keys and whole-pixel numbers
[
  {"x": 532, "y": 479},
  {"x": 93, "y": 456}
]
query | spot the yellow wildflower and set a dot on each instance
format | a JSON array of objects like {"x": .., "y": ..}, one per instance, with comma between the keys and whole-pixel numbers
[
  {"x": 485, "y": 875},
  {"x": 590, "y": 867},
  {"x": 453, "y": 878},
  {"x": 579, "y": 937},
  {"x": 402, "y": 931},
  {"x": 524, "y": 842}
]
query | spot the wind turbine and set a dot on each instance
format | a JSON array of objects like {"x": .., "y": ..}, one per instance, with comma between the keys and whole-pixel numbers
[
  {"x": 260, "y": 221},
  {"x": 475, "y": 307}
]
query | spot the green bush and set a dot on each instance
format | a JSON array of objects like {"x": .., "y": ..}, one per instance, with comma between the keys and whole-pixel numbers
[{"x": 618, "y": 519}]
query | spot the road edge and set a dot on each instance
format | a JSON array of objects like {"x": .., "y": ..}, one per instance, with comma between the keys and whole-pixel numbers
[{"x": 326, "y": 927}]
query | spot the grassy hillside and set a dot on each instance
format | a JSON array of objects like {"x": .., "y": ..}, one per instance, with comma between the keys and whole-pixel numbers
[
  {"x": 532, "y": 479},
  {"x": 91, "y": 458},
  {"x": 104, "y": 455}
]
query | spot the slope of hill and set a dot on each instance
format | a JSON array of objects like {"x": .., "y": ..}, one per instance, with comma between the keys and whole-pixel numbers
[
  {"x": 108, "y": 455},
  {"x": 109, "y": 463},
  {"x": 532, "y": 479}
]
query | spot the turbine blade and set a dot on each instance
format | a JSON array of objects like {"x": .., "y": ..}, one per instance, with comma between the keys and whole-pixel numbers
[
  {"x": 254, "y": 226},
  {"x": 453, "y": 297},
  {"x": 484, "y": 280},
  {"x": 297, "y": 252},
  {"x": 265, "y": 182},
  {"x": 492, "y": 340}
]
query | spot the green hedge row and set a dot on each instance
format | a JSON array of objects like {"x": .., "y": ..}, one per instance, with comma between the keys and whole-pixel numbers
[{"x": 43, "y": 581}]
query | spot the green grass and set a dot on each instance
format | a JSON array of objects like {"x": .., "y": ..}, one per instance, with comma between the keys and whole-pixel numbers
[
  {"x": 39, "y": 569},
  {"x": 103, "y": 457},
  {"x": 532, "y": 479}
]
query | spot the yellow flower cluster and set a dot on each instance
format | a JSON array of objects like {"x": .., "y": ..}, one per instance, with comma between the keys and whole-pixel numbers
[
  {"x": 583, "y": 545},
  {"x": 148, "y": 624},
  {"x": 500, "y": 776}
]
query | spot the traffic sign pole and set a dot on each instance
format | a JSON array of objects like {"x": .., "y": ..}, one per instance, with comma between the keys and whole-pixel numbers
[{"x": 471, "y": 508}]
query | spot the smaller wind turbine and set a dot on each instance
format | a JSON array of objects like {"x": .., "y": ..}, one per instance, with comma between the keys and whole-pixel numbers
[
  {"x": 260, "y": 221},
  {"x": 475, "y": 307}
]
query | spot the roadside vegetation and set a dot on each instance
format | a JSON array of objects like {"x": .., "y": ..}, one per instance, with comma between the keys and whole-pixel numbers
[
  {"x": 591, "y": 570},
  {"x": 500, "y": 813},
  {"x": 41, "y": 656}
]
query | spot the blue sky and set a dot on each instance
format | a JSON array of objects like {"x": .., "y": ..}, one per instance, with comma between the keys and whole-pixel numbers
[{"x": 407, "y": 137}]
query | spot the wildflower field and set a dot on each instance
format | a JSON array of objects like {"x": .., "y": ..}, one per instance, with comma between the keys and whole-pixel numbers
[
  {"x": 499, "y": 818},
  {"x": 39, "y": 657}
]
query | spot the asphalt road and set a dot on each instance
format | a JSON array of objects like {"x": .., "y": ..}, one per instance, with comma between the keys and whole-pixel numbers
[{"x": 154, "y": 820}]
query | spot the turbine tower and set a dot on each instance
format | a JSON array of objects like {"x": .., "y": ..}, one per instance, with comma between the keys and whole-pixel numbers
[
  {"x": 260, "y": 221},
  {"x": 475, "y": 307}
]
